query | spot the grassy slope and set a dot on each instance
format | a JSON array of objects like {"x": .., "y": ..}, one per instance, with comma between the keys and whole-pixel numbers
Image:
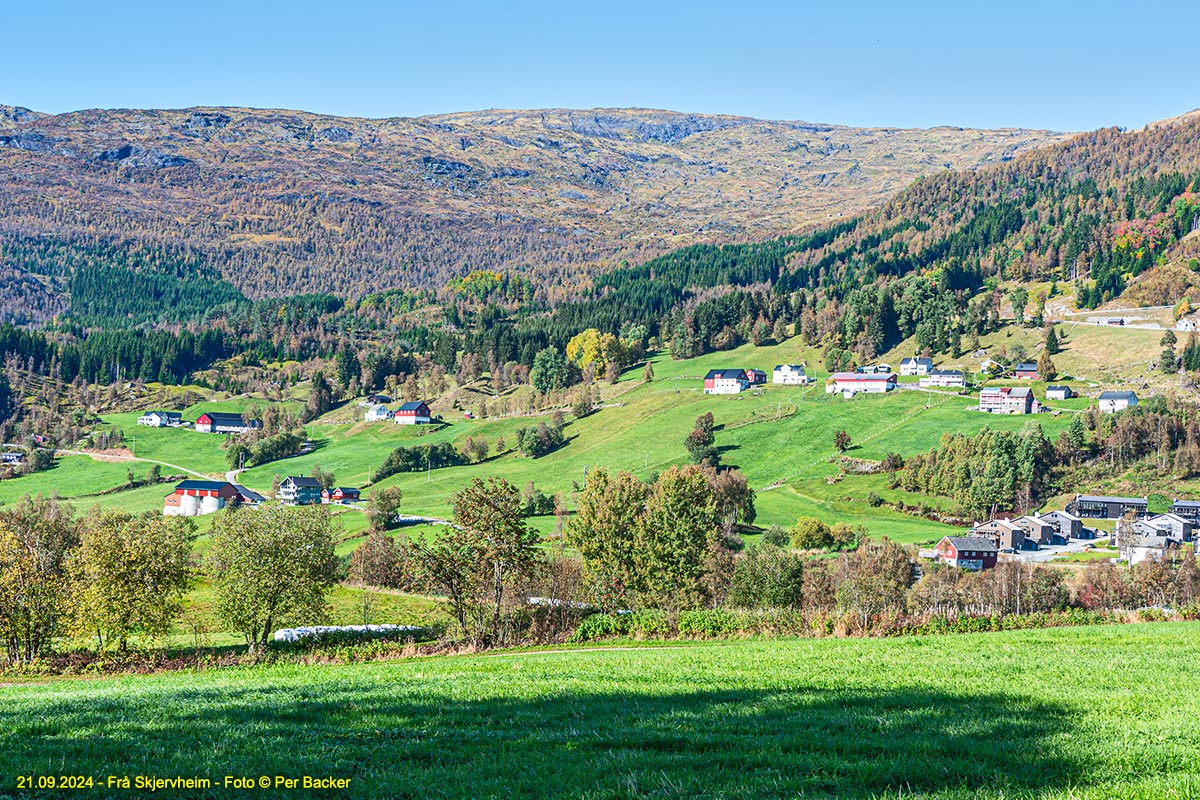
[
  {"x": 1030, "y": 714},
  {"x": 643, "y": 433}
]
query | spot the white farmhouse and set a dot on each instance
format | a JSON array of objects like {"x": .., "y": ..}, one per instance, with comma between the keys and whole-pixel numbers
[
  {"x": 1114, "y": 401},
  {"x": 792, "y": 374},
  {"x": 916, "y": 366},
  {"x": 726, "y": 381},
  {"x": 945, "y": 378},
  {"x": 852, "y": 383},
  {"x": 378, "y": 413}
]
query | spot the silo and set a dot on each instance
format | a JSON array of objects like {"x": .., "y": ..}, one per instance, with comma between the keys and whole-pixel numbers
[
  {"x": 210, "y": 504},
  {"x": 188, "y": 506}
]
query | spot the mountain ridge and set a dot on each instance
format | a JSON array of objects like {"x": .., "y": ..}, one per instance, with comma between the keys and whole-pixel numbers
[{"x": 279, "y": 201}]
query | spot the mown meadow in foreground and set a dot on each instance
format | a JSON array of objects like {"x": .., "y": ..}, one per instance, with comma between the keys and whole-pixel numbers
[{"x": 1066, "y": 713}]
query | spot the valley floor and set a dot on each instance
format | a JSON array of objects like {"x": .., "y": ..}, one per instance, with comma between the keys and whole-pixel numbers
[{"x": 1065, "y": 713}]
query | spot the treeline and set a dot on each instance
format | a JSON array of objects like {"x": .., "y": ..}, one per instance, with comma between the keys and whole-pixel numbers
[
  {"x": 112, "y": 576},
  {"x": 417, "y": 458},
  {"x": 994, "y": 472}
]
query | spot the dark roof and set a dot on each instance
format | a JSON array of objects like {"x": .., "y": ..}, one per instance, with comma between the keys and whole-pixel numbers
[
  {"x": 249, "y": 495},
  {"x": 300, "y": 480},
  {"x": 732, "y": 374},
  {"x": 162, "y": 413},
  {"x": 1100, "y": 498},
  {"x": 916, "y": 360},
  {"x": 1186, "y": 504},
  {"x": 411, "y": 405},
  {"x": 224, "y": 418},
  {"x": 1122, "y": 394},
  {"x": 192, "y": 484},
  {"x": 972, "y": 543},
  {"x": 1057, "y": 388},
  {"x": 957, "y": 373},
  {"x": 790, "y": 366},
  {"x": 343, "y": 490},
  {"x": 1026, "y": 367}
]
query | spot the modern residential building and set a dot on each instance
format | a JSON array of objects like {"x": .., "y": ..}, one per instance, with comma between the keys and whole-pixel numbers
[
  {"x": 1188, "y": 509},
  {"x": 1067, "y": 525},
  {"x": 1039, "y": 531},
  {"x": 944, "y": 378},
  {"x": 1003, "y": 533},
  {"x": 1105, "y": 507},
  {"x": 1113, "y": 401},
  {"x": 414, "y": 412},
  {"x": 852, "y": 383},
  {"x": 726, "y": 381},
  {"x": 1007, "y": 400},
  {"x": 756, "y": 377},
  {"x": 967, "y": 552},
  {"x": 790, "y": 374},
  {"x": 1178, "y": 528}
]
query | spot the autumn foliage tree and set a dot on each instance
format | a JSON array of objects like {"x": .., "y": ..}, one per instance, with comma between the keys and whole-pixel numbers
[
  {"x": 130, "y": 574},
  {"x": 271, "y": 565},
  {"x": 484, "y": 556}
]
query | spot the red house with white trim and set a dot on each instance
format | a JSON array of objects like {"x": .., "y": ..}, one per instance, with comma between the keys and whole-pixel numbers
[
  {"x": 414, "y": 412},
  {"x": 340, "y": 494},
  {"x": 967, "y": 552}
]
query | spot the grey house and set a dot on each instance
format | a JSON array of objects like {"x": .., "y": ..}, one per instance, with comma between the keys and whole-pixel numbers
[
  {"x": 1067, "y": 525},
  {"x": 1103, "y": 507}
]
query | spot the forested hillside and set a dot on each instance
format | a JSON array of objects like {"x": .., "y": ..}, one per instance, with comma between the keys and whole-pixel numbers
[{"x": 282, "y": 202}]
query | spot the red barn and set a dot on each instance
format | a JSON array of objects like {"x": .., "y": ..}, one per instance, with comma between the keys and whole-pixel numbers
[{"x": 414, "y": 412}]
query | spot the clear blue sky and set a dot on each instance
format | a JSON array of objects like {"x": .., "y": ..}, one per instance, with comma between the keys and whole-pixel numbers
[{"x": 1046, "y": 64}]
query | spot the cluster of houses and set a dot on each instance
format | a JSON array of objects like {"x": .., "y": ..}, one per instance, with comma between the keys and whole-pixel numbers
[
  {"x": 193, "y": 498},
  {"x": 414, "y": 412},
  {"x": 735, "y": 381},
  {"x": 1139, "y": 534},
  {"x": 208, "y": 422}
]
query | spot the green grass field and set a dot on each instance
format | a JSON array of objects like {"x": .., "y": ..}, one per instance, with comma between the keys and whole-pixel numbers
[
  {"x": 782, "y": 437},
  {"x": 1065, "y": 713}
]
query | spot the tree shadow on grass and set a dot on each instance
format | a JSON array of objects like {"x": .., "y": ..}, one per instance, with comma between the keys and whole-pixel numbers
[{"x": 397, "y": 738}]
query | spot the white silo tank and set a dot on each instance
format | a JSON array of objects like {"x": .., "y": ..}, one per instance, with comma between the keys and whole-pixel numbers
[
  {"x": 210, "y": 504},
  {"x": 188, "y": 506}
]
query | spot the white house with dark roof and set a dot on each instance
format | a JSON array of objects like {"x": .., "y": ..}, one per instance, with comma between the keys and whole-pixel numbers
[
  {"x": 1059, "y": 393},
  {"x": 378, "y": 413},
  {"x": 161, "y": 419},
  {"x": 726, "y": 381},
  {"x": 943, "y": 378},
  {"x": 1116, "y": 400},
  {"x": 790, "y": 374},
  {"x": 916, "y": 366},
  {"x": 852, "y": 383}
]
